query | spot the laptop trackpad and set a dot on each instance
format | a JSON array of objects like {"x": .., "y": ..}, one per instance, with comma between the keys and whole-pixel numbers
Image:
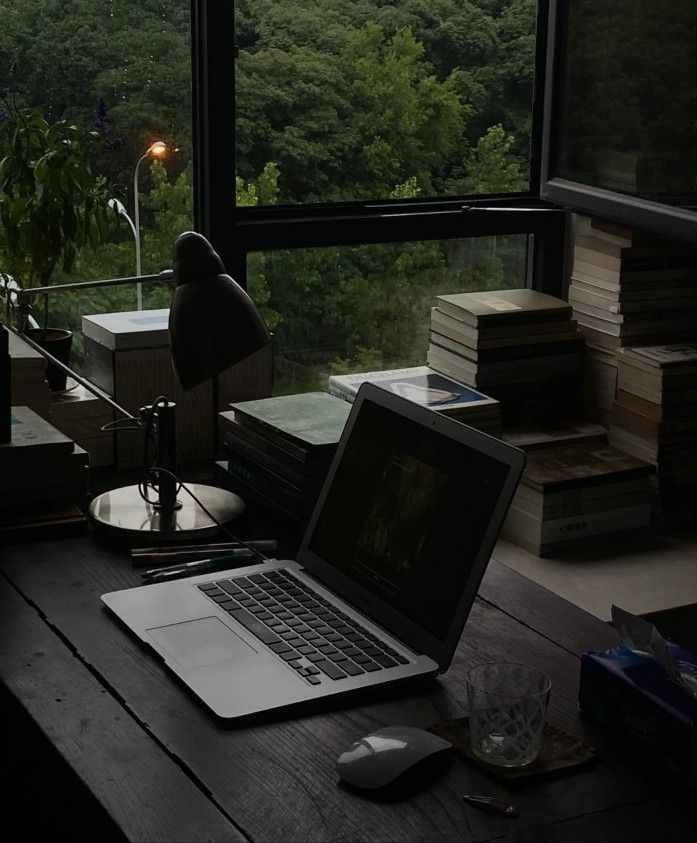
[{"x": 201, "y": 642}]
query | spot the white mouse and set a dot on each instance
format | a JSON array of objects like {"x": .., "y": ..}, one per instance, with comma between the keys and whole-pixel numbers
[{"x": 380, "y": 758}]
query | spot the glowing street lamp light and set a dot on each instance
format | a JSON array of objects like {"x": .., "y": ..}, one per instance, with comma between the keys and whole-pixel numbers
[{"x": 156, "y": 150}]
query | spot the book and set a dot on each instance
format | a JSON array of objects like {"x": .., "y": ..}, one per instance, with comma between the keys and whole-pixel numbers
[
  {"x": 422, "y": 385},
  {"x": 128, "y": 330},
  {"x": 503, "y": 307},
  {"x": 580, "y": 464},
  {"x": 511, "y": 352},
  {"x": 530, "y": 436},
  {"x": 310, "y": 419},
  {"x": 501, "y": 335},
  {"x": 32, "y": 437}
]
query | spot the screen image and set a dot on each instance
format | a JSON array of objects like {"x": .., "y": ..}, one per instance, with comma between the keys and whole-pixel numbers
[{"x": 406, "y": 514}]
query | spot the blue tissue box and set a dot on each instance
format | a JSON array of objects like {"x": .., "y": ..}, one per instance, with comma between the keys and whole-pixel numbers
[{"x": 630, "y": 695}]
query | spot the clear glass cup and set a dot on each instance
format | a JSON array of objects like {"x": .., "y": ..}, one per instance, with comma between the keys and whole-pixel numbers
[{"x": 507, "y": 707}]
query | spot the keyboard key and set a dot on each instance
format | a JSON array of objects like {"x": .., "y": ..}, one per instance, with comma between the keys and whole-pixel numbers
[
  {"x": 268, "y": 602},
  {"x": 351, "y": 668},
  {"x": 314, "y": 680},
  {"x": 264, "y": 615},
  {"x": 285, "y": 599},
  {"x": 361, "y": 658},
  {"x": 332, "y": 670},
  {"x": 334, "y": 622},
  {"x": 324, "y": 630},
  {"x": 290, "y": 656},
  {"x": 372, "y": 650},
  {"x": 247, "y": 601},
  {"x": 371, "y": 667},
  {"x": 256, "y": 592},
  {"x": 242, "y": 582},
  {"x": 316, "y": 657},
  {"x": 289, "y": 633},
  {"x": 219, "y": 597},
  {"x": 272, "y": 622},
  {"x": 283, "y": 615},
  {"x": 338, "y": 656},
  {"x": 344, "y": 645},
  {"x": 255, "y": 626},
  {"x": 280, "y": 647},
  {"x": 323, "y": 613},
  {"x": 209, "y": 586},
  {"x": 354, "y": 636},
  {"x": 311, "y": 670},
  {"x": 385, "y": 661},
  {"x": 257, "y": 578},
  {"x": 292, "y": 622},
  {"x": 401, "y": 659},
  {"x": 296, "y": 664},
  {"x": 327, "y": 649},
  {"x": 353, "y": 651},
  {"x": 315, "y": 624},
  {"x": 309, "y": 634},
  {"x": 257, "y": 609},
  {"x": 343, "y": 629},
  {"x": 306, "y": 649},
  {"x": 276, "y": 609},
  {"x": 295, "y": 641},
  {"x": 333, "y": 637},
  {"x": 228, "y": 604}
]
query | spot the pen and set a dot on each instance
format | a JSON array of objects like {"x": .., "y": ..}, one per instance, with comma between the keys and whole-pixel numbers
[
  {"x": 174, "y": 555},
  {"x": 199, "y": 566}
]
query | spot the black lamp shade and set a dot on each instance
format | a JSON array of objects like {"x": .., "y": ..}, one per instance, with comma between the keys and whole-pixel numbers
[{"x": 213, "y": 323}]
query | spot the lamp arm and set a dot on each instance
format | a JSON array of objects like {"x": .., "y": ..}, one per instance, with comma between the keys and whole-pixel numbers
[{"x": 89, "y": 386}]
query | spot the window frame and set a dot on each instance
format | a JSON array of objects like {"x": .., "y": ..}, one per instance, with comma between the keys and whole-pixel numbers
[
  {"x": 236, "y": 231},
  {"x": 629, "y": 210}
]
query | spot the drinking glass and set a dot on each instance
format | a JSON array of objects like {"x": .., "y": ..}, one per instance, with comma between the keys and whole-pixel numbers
[{"x": 507, "y": 706}]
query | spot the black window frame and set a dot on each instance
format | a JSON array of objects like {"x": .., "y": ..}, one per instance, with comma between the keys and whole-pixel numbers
[
  {"x": 236, "y": 231},
  {"x": 631, "y": 211}
]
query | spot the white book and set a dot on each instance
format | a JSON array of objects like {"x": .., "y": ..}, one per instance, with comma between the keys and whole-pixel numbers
[
  {"x": 420, "y": 384},
  {"x": 575, "y": 527},
  {"x": 129, "y": 330}
]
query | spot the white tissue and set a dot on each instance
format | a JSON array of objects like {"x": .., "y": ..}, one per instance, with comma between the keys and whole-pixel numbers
[{"x": 641, "y": 636}]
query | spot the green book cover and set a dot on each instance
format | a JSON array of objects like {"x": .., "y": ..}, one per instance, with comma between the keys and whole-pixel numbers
[{"x": 313, "y": 418}]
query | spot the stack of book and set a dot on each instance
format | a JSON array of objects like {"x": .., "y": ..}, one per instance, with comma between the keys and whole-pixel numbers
[
  {"x": 28, "y": 374},
  {"x": 80, "y": 415},
  {"x": 278, "y": 451},
  {"x": 573, "y": 492},
  {"x": 430, "y": 389},
  {"x": 45, "y": 477},
  {"x": 627, "y": 289},
  {"x": 518, "y": 346},
  {"x": 655, "y": 419}
]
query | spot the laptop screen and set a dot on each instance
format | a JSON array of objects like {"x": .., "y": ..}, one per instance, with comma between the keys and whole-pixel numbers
[{"x": 406, "y": 514}]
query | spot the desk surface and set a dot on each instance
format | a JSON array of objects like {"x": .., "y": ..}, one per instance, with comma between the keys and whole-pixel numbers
[{"x": 163, "y": 770}]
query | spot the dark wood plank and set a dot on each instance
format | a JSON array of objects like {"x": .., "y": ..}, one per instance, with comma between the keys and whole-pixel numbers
[
  {"x": 277, "y": 779},
  {"x": 671, "y": 821},
  {"x": 143, "y": 791},
  {"x": 551, "y": 616}
]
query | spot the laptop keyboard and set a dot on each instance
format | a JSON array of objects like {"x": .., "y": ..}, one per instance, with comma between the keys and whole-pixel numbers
[{"x": 305, "y": 630}]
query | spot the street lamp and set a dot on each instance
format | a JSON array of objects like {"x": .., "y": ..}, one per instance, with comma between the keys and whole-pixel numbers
[{"x": 155, "y": 150}]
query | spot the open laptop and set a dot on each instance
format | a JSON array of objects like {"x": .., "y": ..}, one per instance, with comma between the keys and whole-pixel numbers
[{"x": 384, "y": 580}]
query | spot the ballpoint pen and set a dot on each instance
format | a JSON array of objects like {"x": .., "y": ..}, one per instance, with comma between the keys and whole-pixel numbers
[{"x": 200, "y": 566}]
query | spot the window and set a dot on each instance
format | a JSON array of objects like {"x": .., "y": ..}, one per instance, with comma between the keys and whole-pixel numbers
[
  {"x": 619, "y": 138},
  {"x": 123, "y": 69}
]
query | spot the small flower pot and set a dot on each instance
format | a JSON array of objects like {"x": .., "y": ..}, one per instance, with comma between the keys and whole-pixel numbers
[{"x": 57, "y": 342}]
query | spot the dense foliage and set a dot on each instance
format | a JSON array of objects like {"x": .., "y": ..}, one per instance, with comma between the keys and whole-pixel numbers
[{"x": 335, "y": 100}]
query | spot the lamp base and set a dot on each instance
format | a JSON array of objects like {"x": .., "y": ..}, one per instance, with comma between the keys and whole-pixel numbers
[{"x": 124, "y": 513}]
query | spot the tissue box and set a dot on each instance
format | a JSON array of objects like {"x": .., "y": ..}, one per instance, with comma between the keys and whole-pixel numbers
[{"x": 631, "y": 695}]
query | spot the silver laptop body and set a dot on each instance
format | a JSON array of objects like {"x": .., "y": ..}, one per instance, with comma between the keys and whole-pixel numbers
[{"x": 397, "y": 545}]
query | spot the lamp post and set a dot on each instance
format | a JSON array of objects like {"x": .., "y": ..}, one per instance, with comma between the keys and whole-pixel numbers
[{"x": 155, "y": 150}]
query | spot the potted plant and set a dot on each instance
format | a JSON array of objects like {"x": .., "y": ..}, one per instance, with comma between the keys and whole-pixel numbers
[{"x": 51, "y": 206}]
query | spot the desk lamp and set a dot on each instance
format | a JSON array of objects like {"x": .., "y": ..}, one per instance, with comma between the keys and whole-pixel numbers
[{"x": 213, "y": 324}]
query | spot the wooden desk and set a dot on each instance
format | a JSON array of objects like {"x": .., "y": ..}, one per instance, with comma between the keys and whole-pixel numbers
[{"x": 154, "y": 765}]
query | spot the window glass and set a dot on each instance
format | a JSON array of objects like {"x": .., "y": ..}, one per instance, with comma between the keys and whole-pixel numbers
[
  {"x": 628, "y": 96},
  {"x": 378, "y": 99},
  {"x": 354, "y": 309},
  {"x": 121, "y": 68}
]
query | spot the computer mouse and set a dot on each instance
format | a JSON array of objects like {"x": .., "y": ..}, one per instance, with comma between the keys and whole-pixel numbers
[{"x": 385, "y": 756}]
